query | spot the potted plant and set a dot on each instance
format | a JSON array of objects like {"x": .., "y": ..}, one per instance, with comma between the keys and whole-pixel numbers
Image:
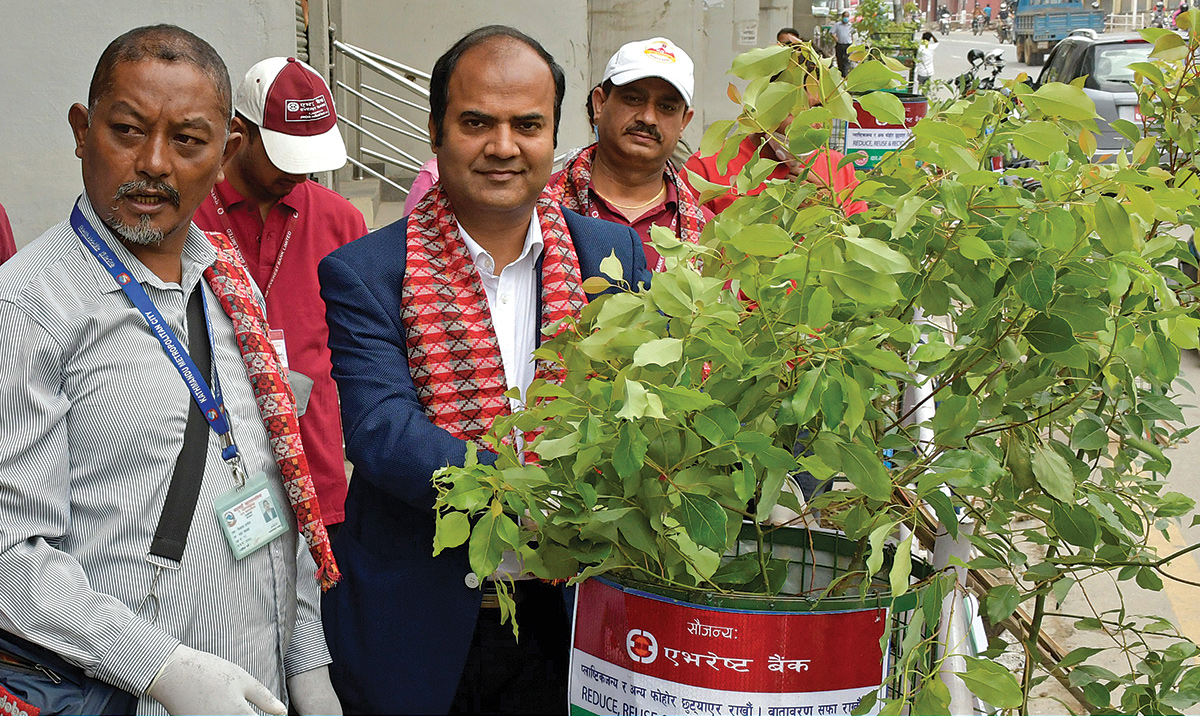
[{"x": 1041, "y": 311}]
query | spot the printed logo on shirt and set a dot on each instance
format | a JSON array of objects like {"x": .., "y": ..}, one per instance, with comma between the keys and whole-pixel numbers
[
  {"x": 305, "y": 110},
  {"x": 13, "y": 706},
  {"x": 658, "y": 51}
]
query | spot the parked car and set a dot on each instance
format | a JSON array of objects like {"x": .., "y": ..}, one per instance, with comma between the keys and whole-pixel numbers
[{"x": 1104, "y": 60}]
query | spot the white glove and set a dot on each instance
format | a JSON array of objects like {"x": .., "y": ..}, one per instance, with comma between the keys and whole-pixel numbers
[
  {"x": 196, "y": 682},
  {"x": 312, "y": 694}
]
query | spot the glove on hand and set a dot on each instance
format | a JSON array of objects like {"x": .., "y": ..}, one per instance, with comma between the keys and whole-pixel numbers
[{"x": 196, "y": 682}]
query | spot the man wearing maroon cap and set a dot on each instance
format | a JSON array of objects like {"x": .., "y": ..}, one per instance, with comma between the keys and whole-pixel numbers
[{"x": 284, "y": 224}]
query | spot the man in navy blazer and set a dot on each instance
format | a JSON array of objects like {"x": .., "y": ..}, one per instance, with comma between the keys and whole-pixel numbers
[{"x": 407, "y": 630}]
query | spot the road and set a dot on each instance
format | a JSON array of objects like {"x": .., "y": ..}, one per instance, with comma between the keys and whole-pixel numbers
[{"x": 950, "y": 57}]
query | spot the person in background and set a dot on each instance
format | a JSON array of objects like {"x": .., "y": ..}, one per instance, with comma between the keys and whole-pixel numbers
[
  {"x": 788, "y": 36},
  {"x": 640, "y": 109},
  {"x": 843, "y": 35},
  {"x": 987, "y": 16},
  {"x": 925, "y": 50},
  {"x": 422, "y": 183},
  {"x": 283, "y": 224},
  {"x": 823, "y": 167},
  {"x": 96, "y": 390},
  {"x": 8, "y": 244},
  {"x": 431, "y": 321}
]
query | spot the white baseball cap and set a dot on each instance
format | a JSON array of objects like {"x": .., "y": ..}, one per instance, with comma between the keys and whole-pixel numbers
[
  {"x": 293, "y": 109},
  {"x": 656, "y": 57}
]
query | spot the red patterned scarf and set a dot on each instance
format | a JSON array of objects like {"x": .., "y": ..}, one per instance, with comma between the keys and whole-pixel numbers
[
  {"x": 231, "y": 284},
  {"x": 453, "y": 352},
  {"x": 571, "y": 188}
]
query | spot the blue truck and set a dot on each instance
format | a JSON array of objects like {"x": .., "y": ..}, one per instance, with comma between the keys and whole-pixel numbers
[{"x": 1039, "y": 25}]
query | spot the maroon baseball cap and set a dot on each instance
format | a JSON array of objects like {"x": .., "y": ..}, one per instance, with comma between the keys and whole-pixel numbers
[{"x": 293, "y": 108}]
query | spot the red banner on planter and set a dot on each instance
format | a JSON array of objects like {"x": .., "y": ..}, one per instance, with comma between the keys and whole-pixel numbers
[{"x": 638, "y": 653}]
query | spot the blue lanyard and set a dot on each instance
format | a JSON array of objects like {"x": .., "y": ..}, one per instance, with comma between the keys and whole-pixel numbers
[{"x": 211, "y": 405}]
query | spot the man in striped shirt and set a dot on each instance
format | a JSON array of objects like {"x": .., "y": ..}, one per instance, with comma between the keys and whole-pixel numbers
[{"x": 93, "y": 413}]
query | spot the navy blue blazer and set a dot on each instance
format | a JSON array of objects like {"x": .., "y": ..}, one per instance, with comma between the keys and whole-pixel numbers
[{"x": 400, "y": 623}]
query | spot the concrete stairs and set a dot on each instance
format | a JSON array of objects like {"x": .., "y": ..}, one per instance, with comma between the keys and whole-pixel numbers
[{"x": 367, "y": 196}]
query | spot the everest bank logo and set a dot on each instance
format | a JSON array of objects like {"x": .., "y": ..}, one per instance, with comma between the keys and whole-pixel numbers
[
  {"x": 641, "y": 646},
  {"x": 13, "y": 706},
  {"x": 658, "y": 51}
]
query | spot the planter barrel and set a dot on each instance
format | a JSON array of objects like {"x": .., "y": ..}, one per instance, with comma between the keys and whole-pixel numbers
[
  {"x": 874, "y": 138},
  {"x": 645, "y": 649}
]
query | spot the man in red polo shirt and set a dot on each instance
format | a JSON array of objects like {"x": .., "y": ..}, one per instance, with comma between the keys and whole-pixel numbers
[
  {"x": 284, "y": 224},
  {"x": 640, "y": 109}
]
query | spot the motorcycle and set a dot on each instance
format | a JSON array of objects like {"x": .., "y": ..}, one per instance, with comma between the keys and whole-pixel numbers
[
  {"x": 1004, "y": 31},
  {"x": 944, "y": 24},
  {"x": 985, "y": 69},
  {"x": 976, "y": 24}
]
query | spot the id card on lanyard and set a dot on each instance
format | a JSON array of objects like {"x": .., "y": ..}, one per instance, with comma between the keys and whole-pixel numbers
[{"x": 209, "y": 401}]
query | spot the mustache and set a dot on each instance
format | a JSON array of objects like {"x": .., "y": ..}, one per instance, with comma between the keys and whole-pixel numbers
[
  {"x": 148, "y": 186},
  {"x": 643, "y": 128}
]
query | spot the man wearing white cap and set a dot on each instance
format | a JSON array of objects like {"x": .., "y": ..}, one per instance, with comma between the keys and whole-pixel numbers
[
  {"x": 284, "y": 224},
  {"x": 640, "y": 108}
]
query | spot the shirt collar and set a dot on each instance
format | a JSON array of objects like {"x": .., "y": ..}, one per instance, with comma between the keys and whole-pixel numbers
[
  {"x": 484, "y": 261},
  {"x": 198, "y": 255}
]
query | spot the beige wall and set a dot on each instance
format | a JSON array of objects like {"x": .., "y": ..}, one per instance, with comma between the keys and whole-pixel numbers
[
  {"x": 581, "y": 34},
  {"x": 50, "y": 50},
  {"x": 417, "y": 32}
]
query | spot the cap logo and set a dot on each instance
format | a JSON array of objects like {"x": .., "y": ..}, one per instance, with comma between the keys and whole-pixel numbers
[
  {"x": 306, "y": 110},
  {"x": 659, "y": 52}
]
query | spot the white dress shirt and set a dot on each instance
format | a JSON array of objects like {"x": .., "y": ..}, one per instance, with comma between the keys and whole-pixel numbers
[{"x": 513, "y": 300}]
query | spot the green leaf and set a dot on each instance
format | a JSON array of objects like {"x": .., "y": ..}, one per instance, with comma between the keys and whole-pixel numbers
[
  {"x": 1036, "y": 286},
  {"x": 762, "y": 62},
  {"x": 1089, "y": 434},
  {"x": 1147, "y": 579},
  {"x": 596, "y": 284},
  {"x": 611, "y": 266},
  {"x": 556, "y": 448},
  {"x": 486, "y": 546},
  {"x": 992, "y": 683},
  {"x": 1049, "y": 334},
  {"x": 704, "y": 520},
  {"x": 453, "y": 528},
  {"x": 865, "y": 471},
  {"x": 1169, "y": 47},
  {"x": 1001, "y": 602},
  {"x": 955, "y": 418},
  {"x": 1053, "y": 474},
  {"x": 1113, "y": 225},
  {"x": 876, "y": 255},
  {"x": 877, "y": 540},
  {"x": 1076, "y": 525},
  {"x": 883, "y": 106},
  {"x": 1039, "y": 140},
  {"x": 933, "y": 351},
  {"x": 932, "y": 698},
  {"x": 762, "y": 240},
  {"x": 954, "y": 197},
  {"x": 901, "y": 567},
  {"x": 864, "y": 286},
  {"x": 820, "y": 308},
  {"x": 1063, "y": 101},
  {"x": 661, "y": 351},
  {"x": 631, "y": 448},
  {"x": 870, "y": 75}
]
